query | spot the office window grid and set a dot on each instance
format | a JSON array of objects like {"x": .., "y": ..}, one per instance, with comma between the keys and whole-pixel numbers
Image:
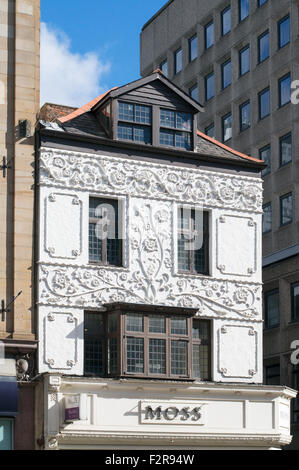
[
  {"x": 265, "y": 155},
  {"x": 226, "y": 21},
  {"x": 244, "y": 60},
  {"x": 284, "y": 31},
  {"x": 209, "y": 86},
  {"x": 226, "y": 73},
  {"x": 263, "y": 46},
  {"x": 178, "y": 61},
  {"x": 284, "y": 89},
  {"x": 243, "y": 9},
  {"x": 244, "y": 116},
  {"x": 193, "y": 48},
  {"x": 286, "y": 209},
  {"x": 264, "y": 103},
  {"x": 209, "y": 35},
  {"x": 285, "y": 149},
  {"x": 227, "y": 127},
  {"x": 267, "y": 218},
  {"x": 272, "y": 313}
]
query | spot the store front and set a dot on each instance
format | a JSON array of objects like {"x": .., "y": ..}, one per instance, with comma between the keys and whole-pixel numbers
[{"x": 8, "y": 403}]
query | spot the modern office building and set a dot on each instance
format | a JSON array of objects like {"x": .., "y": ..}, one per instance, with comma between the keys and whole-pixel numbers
[
  {"x": 19, "y": 103},
  {"x": 238, "y": 58},
  {"x": 149, "y": 265}
]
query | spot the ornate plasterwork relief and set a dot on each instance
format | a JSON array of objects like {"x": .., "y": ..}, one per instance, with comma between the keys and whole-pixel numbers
[
  {"x": 89, "y": 172},
  {"x": 151, "y": 278}
]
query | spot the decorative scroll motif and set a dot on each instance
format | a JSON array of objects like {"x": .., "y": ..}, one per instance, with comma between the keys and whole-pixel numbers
[
  {"x": 151, "y": 279},
  {"x": 111, "y": 175}
]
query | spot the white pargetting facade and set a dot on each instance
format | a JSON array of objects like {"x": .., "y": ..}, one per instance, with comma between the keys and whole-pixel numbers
[{"x": 153, "y": 407}]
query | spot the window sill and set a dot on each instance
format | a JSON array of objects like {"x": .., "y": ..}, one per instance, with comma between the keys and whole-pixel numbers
[
  {"x": 188, "y": 274},
  {"x": 281, "y": 106},
  {"x": 293, "y": 322}
]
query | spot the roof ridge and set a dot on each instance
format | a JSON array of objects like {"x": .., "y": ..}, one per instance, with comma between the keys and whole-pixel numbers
[
  {"x": 86, "y": 107},
  {"x": 229, "y": 149}
]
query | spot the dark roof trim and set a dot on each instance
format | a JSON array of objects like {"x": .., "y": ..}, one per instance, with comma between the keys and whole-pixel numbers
[
  {"x": 175, "y": 154},
  {"x": 157, "y": 14},
  {"x": 144, "y": 81}
]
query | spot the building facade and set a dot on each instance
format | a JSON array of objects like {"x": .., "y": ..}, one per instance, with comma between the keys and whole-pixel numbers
[
  {"x": 19, "y": 103},
  {"x": 238, "y": 58},
  {"x": 150, "y": 330}
]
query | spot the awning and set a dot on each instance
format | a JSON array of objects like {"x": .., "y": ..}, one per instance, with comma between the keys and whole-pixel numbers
[{"x": 8, "y": 388}]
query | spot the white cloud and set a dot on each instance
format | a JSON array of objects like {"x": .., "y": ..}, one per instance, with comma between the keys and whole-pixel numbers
[{"x": 68, "y": 78}]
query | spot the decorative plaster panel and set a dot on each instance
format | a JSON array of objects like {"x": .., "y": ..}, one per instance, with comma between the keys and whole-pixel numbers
[
  {"x": 89, "y": 172},
  {"x": 61, "y": 341},
  {"x": 238, "y": 351},
  {"x": 236, "y": 245},
  {"x": 63, "y": 226}
]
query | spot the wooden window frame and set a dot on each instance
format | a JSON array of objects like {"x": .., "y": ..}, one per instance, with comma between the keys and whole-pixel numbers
[
  {"x": 191, "y": 231},
  {"x": 92, "y": 220},
  {"x": 121, "y": 311}
]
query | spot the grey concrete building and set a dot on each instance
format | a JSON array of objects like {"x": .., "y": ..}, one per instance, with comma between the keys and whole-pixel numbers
[{"x": 238, "y": 58}]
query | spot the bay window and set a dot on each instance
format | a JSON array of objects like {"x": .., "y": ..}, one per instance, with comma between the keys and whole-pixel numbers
[{"x": 155, "y": 342}]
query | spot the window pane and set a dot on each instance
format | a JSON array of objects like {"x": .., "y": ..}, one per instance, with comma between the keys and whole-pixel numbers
[
  {"x": 209, "y": 86},
  {"x": 112, "y": 356},
  {"x": 183, "y": 140},
  {"x": 272, "y": 308},
  {"x": 94, "y": 347},
  {"x": 184, "y": 262},
  {"x": 285, "y": 149},
  {"x": 135, "y": 355},
  {"x": 226, "y": 21},
  {"x": 284, "y": 31},
  {"x": 142, "y": 134},
  {"x": 178, "y": 56},
  {"x": 227, "y": 127},
  {"x": 157, "y": 324},
  {"x": 201, "y": 361},
  {"x": 243, "y": 9},
  {"x": 267, "y": 218},
  {"x": 112, "y": 323},
  {"x": 179, "y": 357},
  {"x": 126, "y": 112},
  {"x": 183, "y": 121},
  {"x": 265, "y": 155},
  {"x": 244, "y": 116},
  {"x": 193, "y": 92},
  {"x": 263, "y": 46},
  {"x": 179, "y": 326},
  {"x": 167, "y": 137},
  {"x": 261, "y": 2},
  {"x": 286, "y": 208},
  {"x": 134, "y": 322},
  {"x": 193, "y": 45},
  {"x": 167, "y": 118},
  {"x": 164, "y": 68},
  {"x": 6, "y": 436},
  {"x": 244, "y": 60},
  {"x": 209, "y": 35},
  {"x": 226, "y": 74},
  {"x": 201, "y": 330},
  {"x": 210, "y": 131},
  {"x": 284, "y": 90},
  {"x": 264, "y": 103},
  {"x": 157, "y": 356},
  {"x": 143, "y": 114},
  {"x": 295, "y": 301},
  {"x": 273, "y": 375},
  {"x": 125, "y": 132}
]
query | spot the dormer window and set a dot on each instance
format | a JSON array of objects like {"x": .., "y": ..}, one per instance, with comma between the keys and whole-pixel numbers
[
  {"x": 175, "y": 129},
  {"x": 135, "y": 123}
]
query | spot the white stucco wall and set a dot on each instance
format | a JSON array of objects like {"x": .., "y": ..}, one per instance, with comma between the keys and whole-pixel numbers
[{"x": 150, "y": 194}]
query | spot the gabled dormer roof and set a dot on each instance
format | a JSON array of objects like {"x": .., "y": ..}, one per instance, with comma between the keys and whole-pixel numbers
[{"x": 118, "y": 92}]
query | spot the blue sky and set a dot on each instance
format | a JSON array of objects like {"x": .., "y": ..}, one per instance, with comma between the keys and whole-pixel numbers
[{"x": 90, "y": 46}]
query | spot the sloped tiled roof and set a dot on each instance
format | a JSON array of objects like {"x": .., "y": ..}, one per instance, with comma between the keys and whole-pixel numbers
[
  {"x": 86, "y": 107},
  {"x": 208, "y": 146}
]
